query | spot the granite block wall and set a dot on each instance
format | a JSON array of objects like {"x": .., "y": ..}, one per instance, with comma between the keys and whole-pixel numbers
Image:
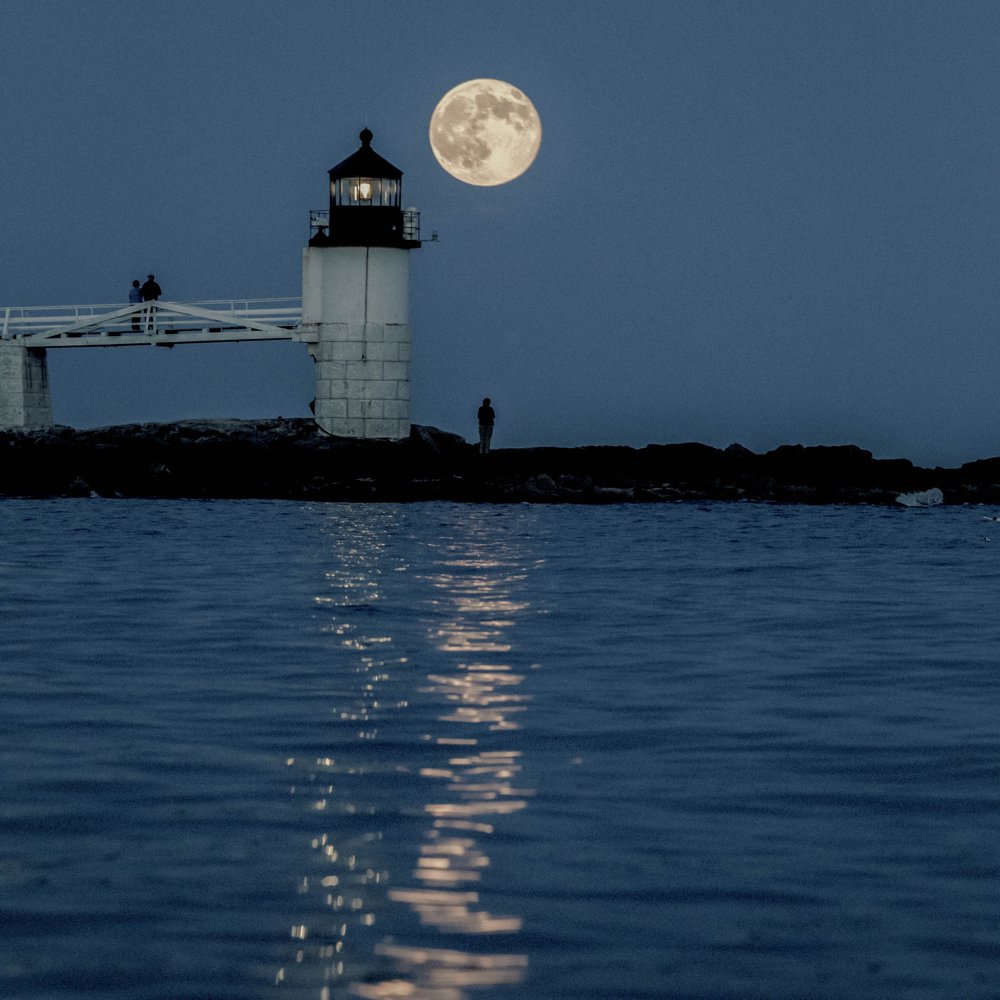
[
  {"x": 25, "y": 400},
  {"x": 363, "y": 379}
]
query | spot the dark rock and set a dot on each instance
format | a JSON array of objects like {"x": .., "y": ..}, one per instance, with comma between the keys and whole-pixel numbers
[
  {"x": 986, "y": 470},
  {"x": 293, "y": 459}
]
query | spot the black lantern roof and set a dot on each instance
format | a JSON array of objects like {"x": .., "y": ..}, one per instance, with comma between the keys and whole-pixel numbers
[{"x": 365, "y": 162}]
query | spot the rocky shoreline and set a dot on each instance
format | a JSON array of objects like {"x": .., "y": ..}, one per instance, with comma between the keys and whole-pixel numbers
[{"x": 293, "y": 459}]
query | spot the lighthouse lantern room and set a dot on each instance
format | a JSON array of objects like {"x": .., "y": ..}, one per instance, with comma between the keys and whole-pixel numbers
[{"x": 355, "y": 291}]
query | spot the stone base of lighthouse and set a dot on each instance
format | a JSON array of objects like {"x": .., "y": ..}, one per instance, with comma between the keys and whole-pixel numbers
[
  {"x": 357, "y": 300},
  {"x": 363, "y": 379},
  {"x": 25, "y": 400}
]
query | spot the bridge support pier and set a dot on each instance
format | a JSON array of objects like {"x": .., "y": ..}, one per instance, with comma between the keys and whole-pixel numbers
[{"x": 24, "y": 386}]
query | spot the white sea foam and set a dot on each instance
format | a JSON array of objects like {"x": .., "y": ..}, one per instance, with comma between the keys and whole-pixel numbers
[{"x": 926, "y": 498}]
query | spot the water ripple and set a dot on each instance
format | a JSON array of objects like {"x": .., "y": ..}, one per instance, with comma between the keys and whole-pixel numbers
[{"x": 439, "y": 752}]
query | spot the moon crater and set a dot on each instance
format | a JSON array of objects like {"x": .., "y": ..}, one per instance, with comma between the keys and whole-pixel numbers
[{"x": 485, "y": 132}]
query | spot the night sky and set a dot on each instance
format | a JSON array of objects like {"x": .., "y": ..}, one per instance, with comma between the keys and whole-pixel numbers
[{"x": 759, "y": 222}]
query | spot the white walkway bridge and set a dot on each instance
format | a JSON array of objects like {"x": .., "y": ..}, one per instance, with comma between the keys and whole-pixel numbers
[
  {"x": 353, "y": 323},
  {"x": 27, "y": 333},
  {"x": 162, "y": 324}
]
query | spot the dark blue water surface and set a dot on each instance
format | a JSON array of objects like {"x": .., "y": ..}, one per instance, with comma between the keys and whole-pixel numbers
[{"x": 436, "y": 752}]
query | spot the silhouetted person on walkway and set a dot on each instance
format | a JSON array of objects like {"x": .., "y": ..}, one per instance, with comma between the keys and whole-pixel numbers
[
  {"x": 487, "y": 417},
  {"x": 134, "y": 297},
  {"x": 150, "y": 290}
]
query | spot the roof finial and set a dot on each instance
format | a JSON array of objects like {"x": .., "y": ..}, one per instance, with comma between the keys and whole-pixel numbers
[{"x": 365, "y": 136}]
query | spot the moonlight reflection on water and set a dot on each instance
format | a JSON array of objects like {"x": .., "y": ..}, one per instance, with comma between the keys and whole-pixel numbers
[{"x": 466, "y": 785}]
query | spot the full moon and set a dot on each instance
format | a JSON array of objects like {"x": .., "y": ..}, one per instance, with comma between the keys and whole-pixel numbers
[{"x": 485, "y": 132}]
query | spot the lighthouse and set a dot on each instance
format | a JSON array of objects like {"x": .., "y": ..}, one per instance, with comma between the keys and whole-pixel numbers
[{"x": 355, "y": 295}]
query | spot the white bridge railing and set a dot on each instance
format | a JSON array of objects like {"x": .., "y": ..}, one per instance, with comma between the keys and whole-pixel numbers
[{"x": 84, "y": 321}]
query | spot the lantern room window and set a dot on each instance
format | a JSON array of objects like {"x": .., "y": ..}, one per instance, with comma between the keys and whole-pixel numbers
[{"x": 380, "y": 192}]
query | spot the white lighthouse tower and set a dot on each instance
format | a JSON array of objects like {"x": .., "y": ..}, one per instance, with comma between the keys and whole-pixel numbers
[{"x": 355, "y": 290}]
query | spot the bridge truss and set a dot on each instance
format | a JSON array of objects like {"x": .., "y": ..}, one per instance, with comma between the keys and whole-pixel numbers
[{"x": 161, "y": 324}]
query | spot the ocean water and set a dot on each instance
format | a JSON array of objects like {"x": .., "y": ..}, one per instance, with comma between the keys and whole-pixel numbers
[{"x": 438, "y": 751}]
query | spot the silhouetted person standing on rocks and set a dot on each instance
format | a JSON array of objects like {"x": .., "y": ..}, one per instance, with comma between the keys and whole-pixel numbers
[{"x": 487, "y": 417}]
